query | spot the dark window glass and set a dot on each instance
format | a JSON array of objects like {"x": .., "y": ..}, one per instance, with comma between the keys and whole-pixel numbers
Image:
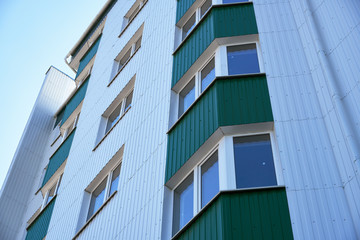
[
  {"x": 207, "y": 74},
  {"x": 189, "y": 25},
  {"x": 183, "y": 203},
  {"x": 209, "y": 179},
  {"x": 254, "y": 164},
  {"x": 205, "y": 7},
  {"x": 242, "y": 59},
  {"x": 128, "y": 101},
  {"x": 187, "y": 96}
]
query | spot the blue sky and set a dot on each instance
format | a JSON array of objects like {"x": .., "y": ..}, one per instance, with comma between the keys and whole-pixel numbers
[{"x": 34, "y": 36}]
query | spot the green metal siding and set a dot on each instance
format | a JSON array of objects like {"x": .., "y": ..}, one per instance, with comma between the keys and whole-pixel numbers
[
  {"x": 253, "y": 214},
  {"x": 88, "y": 56},
  {"x": 75, "y": 100},
  {"x": 58, "y": 157},
  {"x": 38, "y": 229},
  {"x": 228, "y": 101},
  {"x": 181, "y": 8},
  {"x": 222, "y": 21}
]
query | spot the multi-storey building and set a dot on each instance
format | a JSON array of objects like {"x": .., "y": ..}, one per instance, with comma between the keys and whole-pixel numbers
[{"x": 196, "y": 119}]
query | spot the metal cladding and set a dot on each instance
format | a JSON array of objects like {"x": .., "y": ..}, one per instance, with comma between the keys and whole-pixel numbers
[
  {"x": 229, "y": 101},
  {"x": 38, "y": 229},
  {"x": 88, "y": 56},
  {"x": 250, "y": 214},
  {"x": 221, "y": 21}
]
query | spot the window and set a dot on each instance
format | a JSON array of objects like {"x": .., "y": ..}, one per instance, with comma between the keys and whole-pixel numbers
[
  {"x": 242, "y": 59},
  {"x": 103, "y": 191},
  {"x": 254, "y": 163},
  {"x": 129, "y": 53},
  {"x": 119, "y": 111},
  {"x": 51, "y": 193},
  {"x": 195, "y": 18},
  {"x": 132, "y": 13},
  {"x": 186, "y": 202},
  {"x": 196, "y": 86}
]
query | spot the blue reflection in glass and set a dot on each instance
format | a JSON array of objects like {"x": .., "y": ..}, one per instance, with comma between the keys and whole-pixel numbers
[
  {"x": 209, "y": 179},
  {"x": 234, "y": 1},
  {"x": 242, "y": 59},
  {"x": 254, "y": 164},
  {"x": 207, "y": 75}
]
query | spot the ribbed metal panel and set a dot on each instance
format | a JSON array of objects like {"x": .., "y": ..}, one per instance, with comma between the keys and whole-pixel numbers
[
  {"x": 38, "y": 229},
  {"x": 59, "y": 157},
  {"x": 75, "y": 101},
  {"x": 222, "y": 21},
  {"x": 231, "y": 101},
  {"x": 88, "y": 56},
  {"x": 181, "y": 8},
  {"x": 254, "y": 214}
]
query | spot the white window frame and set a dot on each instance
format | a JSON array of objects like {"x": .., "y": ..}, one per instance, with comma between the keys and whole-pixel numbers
[
  {"x": 133, "y": 10},
  {"x": 45, "y": 199},
  {"x": 221, "y": 69},
  {"x": 107, "y": 190},
  {"x": 122, "y": 111},
  {"x": 197, "y": 87},
  {"x": 196, "y": 171},
  {"x": 227, "y": 174}
]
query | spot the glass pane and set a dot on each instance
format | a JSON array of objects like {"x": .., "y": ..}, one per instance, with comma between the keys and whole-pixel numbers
[
  {"x": 183, "y": 203},
  {"x": 51, "y": 194},
  {"x": 207, "y": 75},
  {"x": 124, "y": 59},
  {"x": 254, "y": 164},
  {"x": 205, "y": 7},
  {"x": 189, "y": 25},
  {"x": 113, "y": 118},
  {"x": 115, "y": 180},
  {"x": 128, "y": 101},
  {"x": 209, "y": 179},
  {"x": 234, "y": 1},
  {"x": 187, "y": 96},
  {"x": 242, "y": 59},
  {"x": 138, "y": 43},
  {"x": 97, "y": 198}
]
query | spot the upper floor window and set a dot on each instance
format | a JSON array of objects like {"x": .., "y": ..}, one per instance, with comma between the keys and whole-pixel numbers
[
  {"x": 192, "y": 195},
  {"x": 224, "y": 60},
  {"x": 132, "y": 13},
  {"x": 252, "y": 165},
  {"x": 123, "y": 60},
  {"x": 195, "y": 18},
  {"x": 51, "y": 193},
  {"x": 196, "y": 86},
  {"x": 103, "y": 191}
]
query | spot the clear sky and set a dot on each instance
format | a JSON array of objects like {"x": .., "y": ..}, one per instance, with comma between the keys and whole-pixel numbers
[{"x": 33, "y": 36}]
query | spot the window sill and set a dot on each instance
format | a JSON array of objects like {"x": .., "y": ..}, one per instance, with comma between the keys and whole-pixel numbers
[
  {"x": 128, "y": 24},
  {"x": 55, "y": 140},
  {"x": 197, "y": 215},
  {"x": 94, "y": 215},
  {"x": 63, "y": 142},
  {"x": 202, "y": 19},
  {"x": 207, "y": 88},
  {"x": 117, "y": 74},
  {"x": 108, "y": 132}
]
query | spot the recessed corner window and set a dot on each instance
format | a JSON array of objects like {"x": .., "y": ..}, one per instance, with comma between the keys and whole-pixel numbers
[
  {"x": 205, "y": 7},
  {"x": 242, "y": 59},
  {"x": 128, "y": 101},
  {"x": 187, "y": 96},
  {"x": 183, "y": 203},
  {"x": 254, "y": 163},
  {"x": 209, "y": 179},
  {"x": 115, "y": 180}
]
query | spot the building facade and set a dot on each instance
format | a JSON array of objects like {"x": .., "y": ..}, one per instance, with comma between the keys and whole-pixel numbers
[{"x": 196, "y": 119}]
